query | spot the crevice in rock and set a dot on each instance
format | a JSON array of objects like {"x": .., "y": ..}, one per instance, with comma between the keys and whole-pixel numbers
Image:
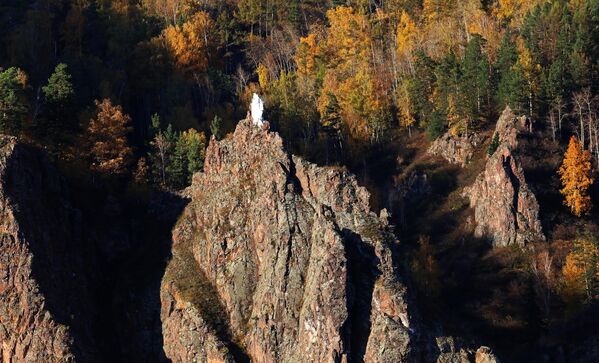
[
  {"x": 507, "y": 166},
  {"x": 363, "y": 271},
  {"x": 292, "y": 177}
]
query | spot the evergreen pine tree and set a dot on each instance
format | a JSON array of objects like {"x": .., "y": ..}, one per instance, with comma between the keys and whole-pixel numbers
[
  {"x": 215, "y": 126},
  {"x": 58, "y": 94},
  {"x": 13, "y": 104},
  {"x": 511, "y": 83}
]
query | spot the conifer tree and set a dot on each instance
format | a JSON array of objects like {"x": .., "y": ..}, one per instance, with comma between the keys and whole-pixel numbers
[
  {"x": 196, "y": 151},
  {"x": 576, "y": 178},
  {"x": 215, "y": 126},
  {"x": 13, "y": 103},
  {"x": 475, "y": 81},
  {"x": 511, "y": 88},
  {"x": 493, "y": 145},
  {"x": 58, "y": 94}
]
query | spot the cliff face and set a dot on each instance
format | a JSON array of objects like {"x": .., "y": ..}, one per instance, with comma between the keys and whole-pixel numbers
[
  {"x": 42, "y": 294},
  {"x": 278, "y": 260},
  {"x": 505, "y": 209}
]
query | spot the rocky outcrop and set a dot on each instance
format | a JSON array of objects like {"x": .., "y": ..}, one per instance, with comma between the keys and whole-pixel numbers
[
  {"x": 485, "y": 355},
  {"x": 509, "y": 126},
  {"x": 278, "y": 260},
  {"x": 42, "y": 293},
  {"x": 455, "y": 149},
  {"x": 505, "y": 209}
]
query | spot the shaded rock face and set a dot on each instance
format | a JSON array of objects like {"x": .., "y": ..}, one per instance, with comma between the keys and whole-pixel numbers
[
  {"x": 505, "y": 209},
  {"x": 278, "y": 260},
  {"x": 43, "y": 295},
  {"x": 455, "y": 149}
]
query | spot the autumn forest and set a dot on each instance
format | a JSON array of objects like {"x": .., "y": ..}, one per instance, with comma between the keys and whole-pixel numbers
[{"x": 125, "y": 95}]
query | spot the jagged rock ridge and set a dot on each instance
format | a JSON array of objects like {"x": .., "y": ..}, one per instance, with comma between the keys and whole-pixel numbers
[
  {"x": 278, "y": 260},
  {"x": 505, "y": 209}
]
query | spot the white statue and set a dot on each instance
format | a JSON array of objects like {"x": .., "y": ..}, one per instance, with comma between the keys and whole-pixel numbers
[{"x": 257, "y": 108}]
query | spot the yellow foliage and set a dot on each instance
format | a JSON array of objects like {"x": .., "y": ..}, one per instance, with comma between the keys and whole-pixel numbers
[
  {"x": 348, "y": 41},
  {"x": 573, "y": 286},
  {"x": 578, "y": 278},
  {"x": 407, "y": 35},
  {"x": 457, "y": 123},
  {"x": 262, "y": 76},
  {"x": 190, "y": 43},
  {"x": 434, "y": 9},
  {"x": 576, "y": 178},
  {"x": 305, "y": 56},
  {"x": 404, "y": 113},
  {"x": 513, "y": 11},
  {"x": 530, "y": 69}
]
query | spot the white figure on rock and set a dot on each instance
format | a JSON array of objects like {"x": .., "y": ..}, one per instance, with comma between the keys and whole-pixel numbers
[{"x": 257, "y": 108}]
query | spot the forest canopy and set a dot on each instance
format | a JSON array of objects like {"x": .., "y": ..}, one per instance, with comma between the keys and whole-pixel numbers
[{"x": 335, "y": 75}]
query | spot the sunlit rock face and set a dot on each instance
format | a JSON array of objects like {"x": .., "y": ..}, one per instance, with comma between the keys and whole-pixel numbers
[
  {"x": 278, "y": 260},
  {"x": 506, "y": 210}
]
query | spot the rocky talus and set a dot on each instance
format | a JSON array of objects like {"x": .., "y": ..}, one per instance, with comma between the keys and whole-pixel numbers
[
  {"x": 43, "y": 295},
  {"x": 455, "y": 149},
  {"x": 278, "y": 260},
  {"x": 505, "y": 209}
]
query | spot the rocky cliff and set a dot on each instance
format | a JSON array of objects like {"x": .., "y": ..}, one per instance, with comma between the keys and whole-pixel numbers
[
  {"x": 43, "y": 296},
  {"x": 505, "y": 209},
  {"x": 278, "y": 260}
]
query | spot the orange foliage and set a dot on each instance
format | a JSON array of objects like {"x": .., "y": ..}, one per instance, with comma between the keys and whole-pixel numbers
[
  {"x": 191, "y": 43},
  {"x": 576, "y": 178},
  {"x": 573, "y": 287},
  {"x": 107, "y": 135},
  {"x": 578, "y": 277},
  {"x": 306, "y": 54}
]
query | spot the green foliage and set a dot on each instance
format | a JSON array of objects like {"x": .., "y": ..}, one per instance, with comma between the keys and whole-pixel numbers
[
  {"x": 511, "y": 86},
  {"x": 215, "y": 126},
  {"x": 436, "y": 126},
  {"x": 493, "y": 145},
  {"x": 421, "y": 87},
  {"x": 13, "y": 103},
  {"x": 331, "y": 117},
  {"x": 154, "y": 125},
  {"x": 177, "y": 170},
  {"x": 58, "y": 94},
  {"x": 475, "y": 83},
  {"x": 176, "y": 156},
  {"x": 59, "y": 90}
]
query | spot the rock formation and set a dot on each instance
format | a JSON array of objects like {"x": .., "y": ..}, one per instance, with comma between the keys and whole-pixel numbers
[
  {"x": 278, "y": 260},
  {"x": 505, "y": 209},
  {"x": 42, "y": 293},
  {"x": 455, "y": 149},
  {"x": 485, "y": 355}
]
